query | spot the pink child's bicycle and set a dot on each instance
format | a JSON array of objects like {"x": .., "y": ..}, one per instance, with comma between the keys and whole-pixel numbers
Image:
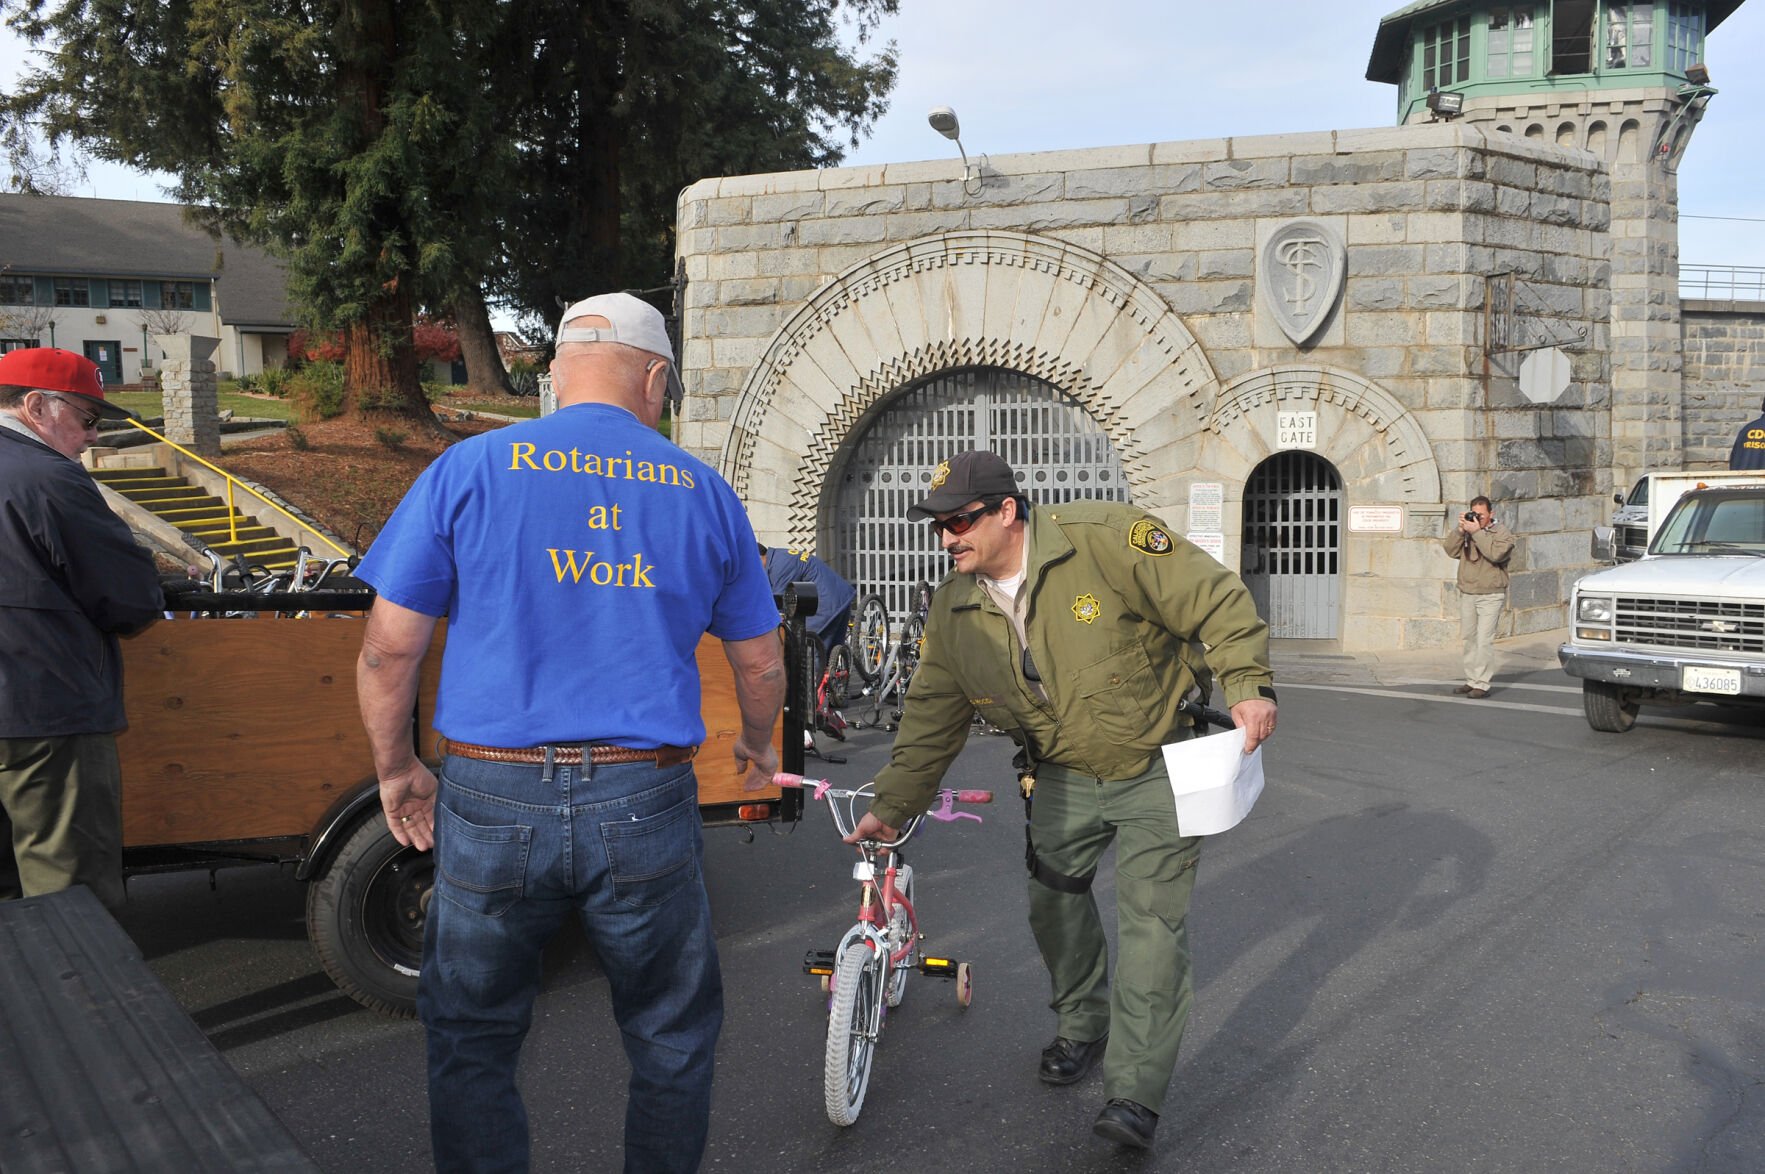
[{"x": 866, "y": 973}]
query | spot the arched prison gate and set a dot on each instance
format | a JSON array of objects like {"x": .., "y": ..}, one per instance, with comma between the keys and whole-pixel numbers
[
  {"x": 1035, "y": 305},
  {"x": 1292, "y": 553},
  {"x": 1053, "y": 445}
]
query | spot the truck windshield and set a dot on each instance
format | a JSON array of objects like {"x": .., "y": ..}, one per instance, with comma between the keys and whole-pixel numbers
[
  {"x": 1639, "y": 493},
  {"x": 1714, "y": 525}
]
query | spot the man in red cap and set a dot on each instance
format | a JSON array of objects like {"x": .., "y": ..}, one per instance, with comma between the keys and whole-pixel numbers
[{"x": 72, "y": 580}]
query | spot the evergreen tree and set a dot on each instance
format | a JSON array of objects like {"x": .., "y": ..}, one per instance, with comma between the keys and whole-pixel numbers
[
  {"x": 618, "y": 105},
  {"x": 350, "y": 136},
  {"x": 418, "y": 154}
]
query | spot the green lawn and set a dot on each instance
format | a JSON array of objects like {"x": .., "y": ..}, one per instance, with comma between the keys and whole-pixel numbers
[{"x": 147, "y": 404}]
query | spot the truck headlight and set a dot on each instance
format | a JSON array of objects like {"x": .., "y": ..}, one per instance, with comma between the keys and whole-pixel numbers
[{"x": 1593, "y": 609}]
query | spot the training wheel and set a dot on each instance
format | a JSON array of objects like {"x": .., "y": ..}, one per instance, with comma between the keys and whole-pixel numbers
[{"x": 964, "y": 983}]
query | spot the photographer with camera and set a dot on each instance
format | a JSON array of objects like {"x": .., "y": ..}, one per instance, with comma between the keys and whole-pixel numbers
[{"x": 1483, "y": 546}]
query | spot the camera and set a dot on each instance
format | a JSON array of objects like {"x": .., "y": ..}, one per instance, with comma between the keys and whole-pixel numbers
[{"x": 1470, "y": 517}]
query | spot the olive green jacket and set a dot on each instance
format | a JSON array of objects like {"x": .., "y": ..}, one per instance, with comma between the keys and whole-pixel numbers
[{"x": 1115, "y": 599}]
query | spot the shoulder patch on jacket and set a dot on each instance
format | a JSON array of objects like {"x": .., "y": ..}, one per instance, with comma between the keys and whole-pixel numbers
[{"x": 1149, "y": 538}]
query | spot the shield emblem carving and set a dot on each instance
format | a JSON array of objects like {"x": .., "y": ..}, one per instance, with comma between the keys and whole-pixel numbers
[{"x": 1301, "y": 271}]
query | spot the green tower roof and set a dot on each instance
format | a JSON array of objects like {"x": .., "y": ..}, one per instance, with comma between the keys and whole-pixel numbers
[{"x": 1386, "y": 63}]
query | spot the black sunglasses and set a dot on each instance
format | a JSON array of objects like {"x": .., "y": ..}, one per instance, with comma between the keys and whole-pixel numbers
[
  {"x": 88, "y": 419},
  {"x": 960, "y": 524}
]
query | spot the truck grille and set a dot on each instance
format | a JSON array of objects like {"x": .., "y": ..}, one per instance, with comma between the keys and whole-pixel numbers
[
  {"x": 1633, "y": 535},
  {"x": 1692, "y": 623}
]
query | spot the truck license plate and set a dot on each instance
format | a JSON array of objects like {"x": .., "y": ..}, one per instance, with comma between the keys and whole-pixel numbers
[{"x": 1696, "y": 679}]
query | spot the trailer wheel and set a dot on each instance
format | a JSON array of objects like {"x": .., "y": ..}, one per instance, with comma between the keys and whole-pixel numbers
[
  {"x": 365, "y": 917},
  {"x": 1608, "y": 708}
]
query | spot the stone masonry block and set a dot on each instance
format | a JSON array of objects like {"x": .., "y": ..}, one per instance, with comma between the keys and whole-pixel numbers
[
  {"x": 1372, "y": 167},
  {"x": 1238, "y": 174},
  {"x": 866, "y": 201},
  {"x": 1377, "y": 197},
  {"x": 1133, "y": 181},
  {"x": 788, "y": 206}
]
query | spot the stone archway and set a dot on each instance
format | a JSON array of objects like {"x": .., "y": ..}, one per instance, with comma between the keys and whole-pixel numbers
[
  {"x": 1375, "y": 443},
  {"x": 1043, "y": 307}
]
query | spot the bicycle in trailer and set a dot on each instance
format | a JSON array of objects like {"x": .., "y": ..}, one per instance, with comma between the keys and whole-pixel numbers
[{"x": 866, "y": 974}]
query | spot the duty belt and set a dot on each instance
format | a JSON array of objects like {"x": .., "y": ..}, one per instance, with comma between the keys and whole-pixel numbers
[{"x": 600, "y": 755}]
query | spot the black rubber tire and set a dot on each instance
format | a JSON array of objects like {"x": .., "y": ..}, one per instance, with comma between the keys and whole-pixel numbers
[
  {"x": 853, "y": 1023},
  {"x": 365, "y": 917},
  {"x": 1607, "y": 708},
  {"x": 839, "y": 677},
  {"x": 870, "y": 638}
]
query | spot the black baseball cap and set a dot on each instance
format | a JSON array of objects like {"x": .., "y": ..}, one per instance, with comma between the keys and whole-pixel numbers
[{"x": 968, "y": 476}]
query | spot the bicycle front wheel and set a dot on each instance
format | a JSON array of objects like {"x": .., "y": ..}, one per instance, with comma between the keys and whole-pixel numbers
[
  {"x": 852, "y": 1030},
  {"x": 870, "y": 638}
]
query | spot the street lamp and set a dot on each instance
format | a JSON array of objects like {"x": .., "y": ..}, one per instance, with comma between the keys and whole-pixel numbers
[{"x": 943, "y": 120}]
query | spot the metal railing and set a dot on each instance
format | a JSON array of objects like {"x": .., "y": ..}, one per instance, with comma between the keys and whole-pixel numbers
[
  {"x": 233, "y": 512},
  {"x": 1722, "y": 283}
]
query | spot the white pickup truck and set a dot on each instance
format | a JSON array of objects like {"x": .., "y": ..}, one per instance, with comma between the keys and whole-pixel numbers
[
  {"x": 1641, "y": 511},
  {"x": 1684, "y": 624}
]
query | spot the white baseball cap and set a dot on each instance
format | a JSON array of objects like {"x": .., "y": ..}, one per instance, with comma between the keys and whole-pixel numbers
[{"x": 631, "y": 321}]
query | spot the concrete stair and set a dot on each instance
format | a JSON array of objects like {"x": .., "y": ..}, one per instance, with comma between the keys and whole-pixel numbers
[{"x": 195, "y": 511}]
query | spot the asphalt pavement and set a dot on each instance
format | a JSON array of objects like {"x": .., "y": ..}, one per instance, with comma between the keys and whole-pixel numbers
[{"x": 1454, "y": 935}]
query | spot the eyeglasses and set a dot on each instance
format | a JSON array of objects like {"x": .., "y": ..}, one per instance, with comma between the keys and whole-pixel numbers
[
  {"x": 88, "y": 420},
  {"x": 960, "y": 524}
]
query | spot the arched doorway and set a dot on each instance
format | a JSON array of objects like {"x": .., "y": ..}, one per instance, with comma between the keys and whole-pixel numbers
[
  {"x": 1293, "y": 545},
  {"x": 1057, "y": 450}
]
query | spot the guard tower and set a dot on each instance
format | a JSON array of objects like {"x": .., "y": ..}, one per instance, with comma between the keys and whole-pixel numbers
[{"x": 1624, "y": 81}]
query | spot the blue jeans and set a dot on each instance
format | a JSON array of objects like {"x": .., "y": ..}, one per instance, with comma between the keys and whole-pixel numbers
[{"x": 620, "y": 846}]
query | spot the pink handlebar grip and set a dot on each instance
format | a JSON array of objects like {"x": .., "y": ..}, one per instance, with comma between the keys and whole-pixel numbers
[
  {"x": 785, "y": 779},
  {"x": 974, "y": 796}
]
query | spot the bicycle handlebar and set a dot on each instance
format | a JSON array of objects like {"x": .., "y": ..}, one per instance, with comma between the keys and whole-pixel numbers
[{"x": 845, "y": 816}]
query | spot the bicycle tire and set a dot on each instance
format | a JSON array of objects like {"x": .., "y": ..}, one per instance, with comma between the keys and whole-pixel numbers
[
  {"x": 839, "y": 677},
  {"x": 853, "y": 1027},
  {"x": 912, "y": 640},
  {"x": 900, "y": 924},
  {"x": 870, "y": 638}
]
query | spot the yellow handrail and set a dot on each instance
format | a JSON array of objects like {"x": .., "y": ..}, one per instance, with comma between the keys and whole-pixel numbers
[{"x": 232, "y": 512}]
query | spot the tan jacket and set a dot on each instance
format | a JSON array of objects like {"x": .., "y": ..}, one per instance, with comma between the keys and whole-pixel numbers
[
  {"x": 1115, "y": 598},
  {"x": 1483, "y": 558}
]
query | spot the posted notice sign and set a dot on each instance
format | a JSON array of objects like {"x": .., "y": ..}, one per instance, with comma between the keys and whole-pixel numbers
[{"x": 1382, "y": 519}]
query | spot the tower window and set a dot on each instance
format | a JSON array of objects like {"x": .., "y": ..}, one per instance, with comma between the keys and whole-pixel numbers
[
  {"x": 1511, "y": 44},
  {"x": 1572, "y": 36},
  {"x": 1630, "y": 36},
  {"x": 1446, "y": 54}
]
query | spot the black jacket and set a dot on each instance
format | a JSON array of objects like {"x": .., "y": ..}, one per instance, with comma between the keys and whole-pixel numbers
[
  {"x": 1749, "y": 446},
  {"x": 72, "y": 579}
]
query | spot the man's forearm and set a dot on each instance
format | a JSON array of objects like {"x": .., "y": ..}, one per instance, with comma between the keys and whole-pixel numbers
[
  {"x": 759, "y": 670},
  {"x": 386, "y": 688}
]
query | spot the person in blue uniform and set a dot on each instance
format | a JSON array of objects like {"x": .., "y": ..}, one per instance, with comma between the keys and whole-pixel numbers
[
  {"x": 1749, "y": 445},
  {"x": 578, "y": 559},
  {"x": 834, "y": 596}
]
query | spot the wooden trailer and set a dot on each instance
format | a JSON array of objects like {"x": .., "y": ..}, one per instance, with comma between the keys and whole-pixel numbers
[{"x": 245, "y": 745}]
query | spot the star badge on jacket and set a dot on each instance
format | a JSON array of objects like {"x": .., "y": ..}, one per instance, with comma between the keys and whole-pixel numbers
[
  {"x": 1086, "y": 608},
  {"x": 1149, "y": 538}
]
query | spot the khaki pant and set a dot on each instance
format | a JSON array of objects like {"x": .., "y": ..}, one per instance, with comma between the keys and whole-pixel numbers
[
  {"x": 1073, "y": 820},
  {"x": 1478, "y": 617},
  {"x": 61, "y": 817}
]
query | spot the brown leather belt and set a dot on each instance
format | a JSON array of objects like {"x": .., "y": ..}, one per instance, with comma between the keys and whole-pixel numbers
[{"x": 572, "y": 755}]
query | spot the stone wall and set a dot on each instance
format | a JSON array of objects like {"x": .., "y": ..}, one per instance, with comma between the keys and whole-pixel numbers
[
  {"x": 1129, "y": 277},
  {"x": 1724, "y": 351}
]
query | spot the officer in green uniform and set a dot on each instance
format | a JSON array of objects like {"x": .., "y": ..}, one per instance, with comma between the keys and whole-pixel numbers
[{"x": 1073, "y": 628}]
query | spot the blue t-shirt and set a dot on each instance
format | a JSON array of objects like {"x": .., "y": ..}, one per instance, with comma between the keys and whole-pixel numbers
[
  {"x": 833, "y": 595},
  {"x": 578, "y": 559}
]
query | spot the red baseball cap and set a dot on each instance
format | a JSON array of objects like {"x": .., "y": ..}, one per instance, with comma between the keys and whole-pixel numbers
[{"x": 46, "y": 368}]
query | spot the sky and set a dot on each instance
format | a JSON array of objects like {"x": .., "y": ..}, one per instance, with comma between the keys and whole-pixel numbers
[{"x": 1035, "y": 75}]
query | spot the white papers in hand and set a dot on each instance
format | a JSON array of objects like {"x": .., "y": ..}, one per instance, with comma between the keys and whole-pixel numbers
[{"x": 1214, "y": 781}]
